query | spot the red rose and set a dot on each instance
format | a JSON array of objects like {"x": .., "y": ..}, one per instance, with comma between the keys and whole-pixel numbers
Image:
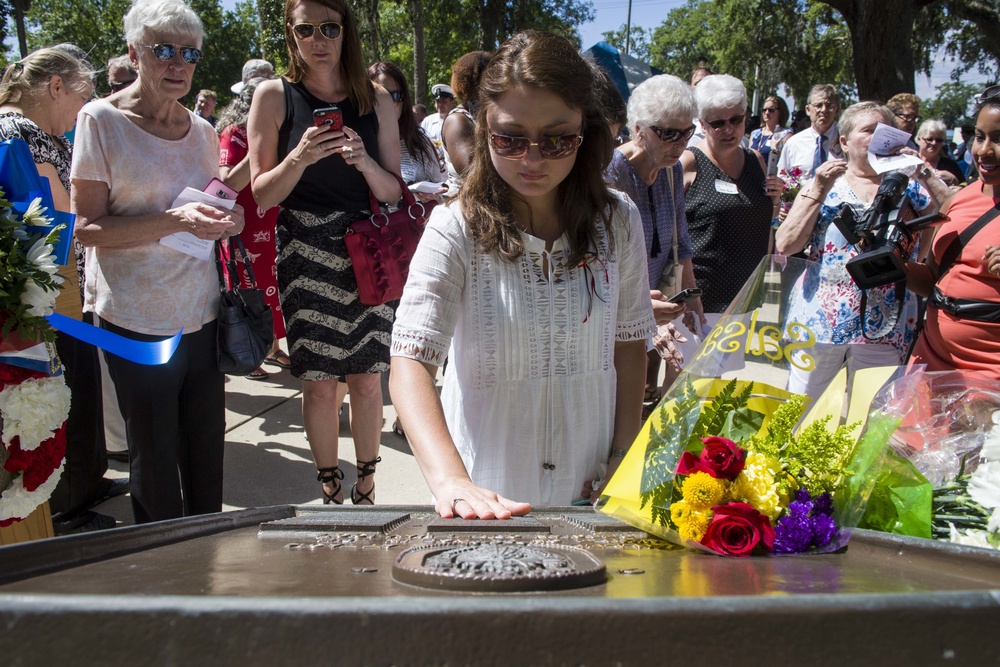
[
  {"x": 721, "y": 458},
  {"x": 737, "y": 529}
]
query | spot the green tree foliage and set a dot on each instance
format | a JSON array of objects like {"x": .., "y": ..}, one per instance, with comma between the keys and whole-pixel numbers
[
  {"x": 638, "y": 46},
  {"x": 231, "y": 37},
  {"x": 762, "y": 42},
  {"x": 953, "y": 103}
]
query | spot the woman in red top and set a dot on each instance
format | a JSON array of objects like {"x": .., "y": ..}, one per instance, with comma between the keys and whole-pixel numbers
[
  {"x": 949, "y": 341},
  {"x": 258, "y": 234}
]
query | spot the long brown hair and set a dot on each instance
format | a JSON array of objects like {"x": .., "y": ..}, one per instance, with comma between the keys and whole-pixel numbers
[
  {"x": 417, "y": 142},
  {"x": 546, "y": 61},
  {"x": 360, "y": 90}
]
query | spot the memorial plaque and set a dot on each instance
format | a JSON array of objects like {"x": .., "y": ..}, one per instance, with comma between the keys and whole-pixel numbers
[
  {"x": 517, "y": 524},
  {"x": 598, "y": 523},
  {"x": 375, "y": 520},
  {"x": 498, "y": 567}
]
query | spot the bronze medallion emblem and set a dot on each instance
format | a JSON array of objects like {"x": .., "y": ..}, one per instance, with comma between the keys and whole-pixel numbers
[{"x": 498, "y": 567}]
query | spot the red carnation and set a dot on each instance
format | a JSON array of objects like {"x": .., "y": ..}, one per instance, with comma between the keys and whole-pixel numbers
[
  {"x": 721, "y": 458},
  {"x": 737, "y": 529}
]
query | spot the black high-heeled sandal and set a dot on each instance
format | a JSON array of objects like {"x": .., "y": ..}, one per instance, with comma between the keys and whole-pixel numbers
[
  {"x": 331, "y": 476},
  {"x": 365, "y": 468}
]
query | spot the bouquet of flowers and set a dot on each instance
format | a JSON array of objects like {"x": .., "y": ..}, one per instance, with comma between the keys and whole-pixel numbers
[
  {"x": 948, "y": 447},
  {"x": 732, "y": 464},
  {"x": 34, "y": 402},
  {"x": 793, "y": 183}
]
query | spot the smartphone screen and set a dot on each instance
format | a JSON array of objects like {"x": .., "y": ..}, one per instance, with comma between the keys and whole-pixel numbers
[{"x": 329, "y": 116}]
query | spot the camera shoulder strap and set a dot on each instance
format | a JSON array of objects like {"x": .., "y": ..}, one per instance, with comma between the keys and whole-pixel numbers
[{"x": 958, "y": 244}]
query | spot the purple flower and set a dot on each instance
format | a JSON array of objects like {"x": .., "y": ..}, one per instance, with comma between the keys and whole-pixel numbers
[
  {"x": 823, "y": 505},
  {"x": 794, "y": 532},
  {"x": 823, "y": 529},
  {"x": 807, "y": 523}
]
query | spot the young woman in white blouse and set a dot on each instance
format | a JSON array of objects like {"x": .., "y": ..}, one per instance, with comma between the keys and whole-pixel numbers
[{"x": 535, "y": 280}]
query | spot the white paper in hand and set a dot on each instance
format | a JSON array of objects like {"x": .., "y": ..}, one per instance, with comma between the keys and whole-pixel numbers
[
  {"x": 427, "y": 187},
  {"x": 887, "y": 140},
  {"x": 186, "y": 242}
]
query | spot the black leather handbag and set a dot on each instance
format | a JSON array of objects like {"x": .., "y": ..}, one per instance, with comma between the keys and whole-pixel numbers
[{"x": 246, "y": 323}]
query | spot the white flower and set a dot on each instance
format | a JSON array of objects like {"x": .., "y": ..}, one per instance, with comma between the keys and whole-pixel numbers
[
  {"x": 970, "y": 538},
  {"x": 984, "y": 485},
  {"x": 17, "y": 502},
  {"x": 40, "y": 301},
  {"x": 33, "y": 410},
  {"x": 35, "y": 215},
  {"x": 991, "y": 447},
  {"x": 41, "y": 256},
  {"x": 994, "y": 524}
]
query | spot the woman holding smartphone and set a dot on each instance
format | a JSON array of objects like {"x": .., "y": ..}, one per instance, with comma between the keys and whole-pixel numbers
[{"x": 321, "y": 138}]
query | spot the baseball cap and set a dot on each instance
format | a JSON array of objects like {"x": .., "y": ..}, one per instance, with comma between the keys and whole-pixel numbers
[
  {"x": 253, "y": 69},
  {"x": 442, "y": 90}
]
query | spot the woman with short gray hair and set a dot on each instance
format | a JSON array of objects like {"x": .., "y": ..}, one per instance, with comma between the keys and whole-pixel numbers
[
  {"x": 931, "y": 138},
  {"x": 137, "y": 150},
  {"x": 660, "y": 111},
  {"x": 729, "y": 201}
]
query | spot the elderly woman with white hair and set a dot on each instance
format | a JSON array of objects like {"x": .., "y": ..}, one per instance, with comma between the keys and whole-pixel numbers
[
  {"x": 647, "y": 169},
  {"x": 137, "y": 150},
  {"x": 729, "y": 202},
  {"x": 931, "y": 138}
]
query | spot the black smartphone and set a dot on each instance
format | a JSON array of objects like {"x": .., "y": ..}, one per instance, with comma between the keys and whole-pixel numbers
[{"x": 685, "y": 295}]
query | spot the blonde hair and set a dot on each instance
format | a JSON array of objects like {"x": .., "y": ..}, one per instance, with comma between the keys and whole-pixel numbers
[{"x": 31, "y": 75}]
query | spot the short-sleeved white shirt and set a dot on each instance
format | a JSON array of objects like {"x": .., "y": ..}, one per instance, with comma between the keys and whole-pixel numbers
[
  {"x": 800, "y": 150},
  {"x": 529, "y": 394},
  {"x": 150, "y": 289}
]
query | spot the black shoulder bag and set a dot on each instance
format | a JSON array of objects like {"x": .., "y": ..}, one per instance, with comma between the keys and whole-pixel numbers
[{"x": 246, "y": 324}]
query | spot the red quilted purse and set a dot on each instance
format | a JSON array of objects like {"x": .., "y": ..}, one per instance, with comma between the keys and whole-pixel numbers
[{"x": 382, "y": 246}]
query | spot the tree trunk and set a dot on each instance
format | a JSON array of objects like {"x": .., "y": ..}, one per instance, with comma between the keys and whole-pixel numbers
[
  {"x": 491, "y": 18},
  {"x": 881, "y": 33},
  {"x": 419, "y": 61},
  {"x": 20, "y": 8}
]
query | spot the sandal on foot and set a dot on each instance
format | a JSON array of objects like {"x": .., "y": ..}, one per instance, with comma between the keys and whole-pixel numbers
[
  {"x": 331, "y": 476},
  {"x": 257, "y": 374},
  {"x": 365, "y": 468},
  {"x": 397, "y": 429},
  {"x": 279, "y": 359},
  {"x": 652, "y": 395}
]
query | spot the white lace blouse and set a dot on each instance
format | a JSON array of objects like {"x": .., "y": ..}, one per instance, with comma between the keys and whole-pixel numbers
[{"x": 529, "y": 393}]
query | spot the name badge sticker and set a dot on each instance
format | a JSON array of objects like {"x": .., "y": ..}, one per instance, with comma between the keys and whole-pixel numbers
[{"x": 726, "y": 188}]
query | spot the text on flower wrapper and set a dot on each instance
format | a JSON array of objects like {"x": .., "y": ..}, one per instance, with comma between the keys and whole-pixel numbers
[{"x": 762, "y": 341}]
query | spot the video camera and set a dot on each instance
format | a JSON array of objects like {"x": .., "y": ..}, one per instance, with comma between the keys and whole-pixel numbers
[{"x": 885, "y": 233}]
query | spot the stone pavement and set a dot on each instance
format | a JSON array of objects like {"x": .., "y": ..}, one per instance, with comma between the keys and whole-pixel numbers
[{"x": 268, "y": 460}]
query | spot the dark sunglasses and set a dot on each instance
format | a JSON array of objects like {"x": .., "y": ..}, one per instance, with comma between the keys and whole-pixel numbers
[
  {"x": 551, "y": 148},
  {"x": 396, "y": 95},
  {"x": 671, "y": 135},
  {"x": 329, "y": 29},
  {"x": 933, "y": 140},
  {"x": 769, "y": 110},
  {"x": 166, "y": 52},
  {"x": 991, "y": 93},
  {"x": 721, "y": 123},
  {"x": 117, "y": 87}
]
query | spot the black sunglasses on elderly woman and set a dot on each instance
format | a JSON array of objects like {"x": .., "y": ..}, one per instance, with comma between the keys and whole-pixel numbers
[{"x": 165, "y": 52}]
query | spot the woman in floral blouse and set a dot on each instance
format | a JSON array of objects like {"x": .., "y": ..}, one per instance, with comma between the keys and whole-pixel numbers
[{"x": 826, "y": 301}]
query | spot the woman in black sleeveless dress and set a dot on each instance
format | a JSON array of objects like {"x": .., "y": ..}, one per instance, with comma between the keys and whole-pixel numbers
[
  {"x": 321, "y": 177},
  {"x": 729, "y": 203}
]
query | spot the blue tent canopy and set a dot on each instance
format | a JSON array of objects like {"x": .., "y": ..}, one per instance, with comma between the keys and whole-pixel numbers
[{"x": 627, "y": 72}]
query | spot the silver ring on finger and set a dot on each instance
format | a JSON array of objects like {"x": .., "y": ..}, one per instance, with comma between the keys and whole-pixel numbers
[{"x": 456, "y": 501}]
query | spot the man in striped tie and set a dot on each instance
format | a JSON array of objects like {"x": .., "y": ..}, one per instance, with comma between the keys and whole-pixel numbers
[{"x": 814, "y": 145}]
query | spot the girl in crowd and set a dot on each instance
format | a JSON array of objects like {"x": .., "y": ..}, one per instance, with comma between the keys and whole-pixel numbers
[
  {"x": 536, "y": 280},
  {"x": 321, "y": 176},
  {"x": 967, "y": 337},
  {"x": 258, "y": 235},
  {"x": 419, "y": 160}
]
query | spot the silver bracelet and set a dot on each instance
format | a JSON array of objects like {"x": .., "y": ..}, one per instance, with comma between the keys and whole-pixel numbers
[{"x": 619, "y": 453}]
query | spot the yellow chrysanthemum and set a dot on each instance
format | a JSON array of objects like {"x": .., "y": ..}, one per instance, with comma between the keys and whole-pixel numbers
[
  {"x": 756, "y": 485},
  {"x": 679, "y": 512},
  {"x": 702, "y": 491},
  {"x": 695, "y": 525}
]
